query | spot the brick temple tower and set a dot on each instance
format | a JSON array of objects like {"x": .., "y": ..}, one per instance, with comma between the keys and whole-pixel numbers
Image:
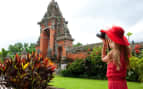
[{"x": 55, "y": 38}]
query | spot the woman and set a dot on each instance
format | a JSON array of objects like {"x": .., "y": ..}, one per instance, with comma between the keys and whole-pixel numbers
[{"x": 117, "y": 58}]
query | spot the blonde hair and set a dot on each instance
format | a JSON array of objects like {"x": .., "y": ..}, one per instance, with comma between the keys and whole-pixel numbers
[{"x": 116, "y": 52}]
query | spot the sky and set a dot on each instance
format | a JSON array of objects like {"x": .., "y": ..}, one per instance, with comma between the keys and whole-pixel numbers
[{"x": 19, "y": 18}]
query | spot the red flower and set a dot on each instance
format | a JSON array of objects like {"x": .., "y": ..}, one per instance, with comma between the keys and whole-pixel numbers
[
  {"x": 97, "y": 53},
  {"x": 137, "y": 51},
  {"x": 89, "y": 49},
  {"x": 137, "y": 46}
]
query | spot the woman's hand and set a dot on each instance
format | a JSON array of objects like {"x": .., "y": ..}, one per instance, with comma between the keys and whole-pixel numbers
[{"x": 105, "y": 42}]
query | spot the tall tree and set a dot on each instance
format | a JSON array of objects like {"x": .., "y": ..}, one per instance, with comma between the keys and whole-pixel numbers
[
  {"x": 20, "y": 48},
  {"x": 78, "y": 44},
  {"x": 3, "y": 53}
]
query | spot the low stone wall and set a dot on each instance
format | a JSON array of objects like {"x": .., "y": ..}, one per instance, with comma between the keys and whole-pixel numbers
[
  {"x": 79, "y": 55},
  {"x": 83, "y": 48},
  {"x": 81, "y": 52}
]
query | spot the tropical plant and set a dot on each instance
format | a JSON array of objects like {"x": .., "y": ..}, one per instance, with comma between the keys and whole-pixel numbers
[{"x": 27, "y": 71}]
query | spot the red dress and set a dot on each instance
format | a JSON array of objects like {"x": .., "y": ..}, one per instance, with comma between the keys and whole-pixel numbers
[{"x": 117, "y": 78}]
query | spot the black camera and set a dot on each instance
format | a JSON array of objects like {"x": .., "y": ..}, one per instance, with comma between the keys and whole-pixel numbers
[{"x": 101, "y": 35}]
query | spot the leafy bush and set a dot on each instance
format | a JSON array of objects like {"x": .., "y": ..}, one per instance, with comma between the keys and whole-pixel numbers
[
  {"x": 132, "y": 74},
  {"x": 91, "y": 67},
  {"x": 75, "y": 69},
  {"x": 135, "y": 73},
  {"x": 27, "y": 72},
  {"x": 97, "y": 68},
  {"x": 140, "y": 69}
]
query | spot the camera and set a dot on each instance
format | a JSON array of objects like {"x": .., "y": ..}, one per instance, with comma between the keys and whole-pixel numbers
[{"x": 101, "y": 35}]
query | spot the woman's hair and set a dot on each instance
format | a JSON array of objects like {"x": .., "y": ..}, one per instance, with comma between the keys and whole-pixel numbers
[{"x": 116, "y": 54}]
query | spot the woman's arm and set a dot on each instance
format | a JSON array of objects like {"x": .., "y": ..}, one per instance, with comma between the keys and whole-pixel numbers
[{"x": 105, "y": 57}]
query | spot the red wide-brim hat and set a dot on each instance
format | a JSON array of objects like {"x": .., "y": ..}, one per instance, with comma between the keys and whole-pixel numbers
[{"x": 116, "y": 34}]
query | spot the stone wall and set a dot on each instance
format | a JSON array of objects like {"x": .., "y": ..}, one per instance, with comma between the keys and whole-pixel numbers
[{"x": 81, "y": 52}]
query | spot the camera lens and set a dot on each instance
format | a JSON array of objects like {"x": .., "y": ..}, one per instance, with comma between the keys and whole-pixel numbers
[{"x": 101, "y": 35}]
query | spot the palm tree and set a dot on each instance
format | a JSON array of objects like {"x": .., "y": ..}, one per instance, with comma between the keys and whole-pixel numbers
[{"x": 129, "y": 34}]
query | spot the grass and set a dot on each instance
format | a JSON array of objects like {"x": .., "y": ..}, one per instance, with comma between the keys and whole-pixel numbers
[{"x": 78, "y": 83}]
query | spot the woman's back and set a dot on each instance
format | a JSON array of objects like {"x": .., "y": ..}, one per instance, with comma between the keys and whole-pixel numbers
[{"x": 112, "y": 71}]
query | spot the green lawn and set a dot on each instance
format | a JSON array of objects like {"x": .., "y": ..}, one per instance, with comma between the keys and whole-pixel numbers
[{"x": 78, "y": 83}]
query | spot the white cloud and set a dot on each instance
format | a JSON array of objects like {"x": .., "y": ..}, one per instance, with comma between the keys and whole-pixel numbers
[
  {"x": 137, "y": 31},
  {"x": 138, "y": 27}
]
